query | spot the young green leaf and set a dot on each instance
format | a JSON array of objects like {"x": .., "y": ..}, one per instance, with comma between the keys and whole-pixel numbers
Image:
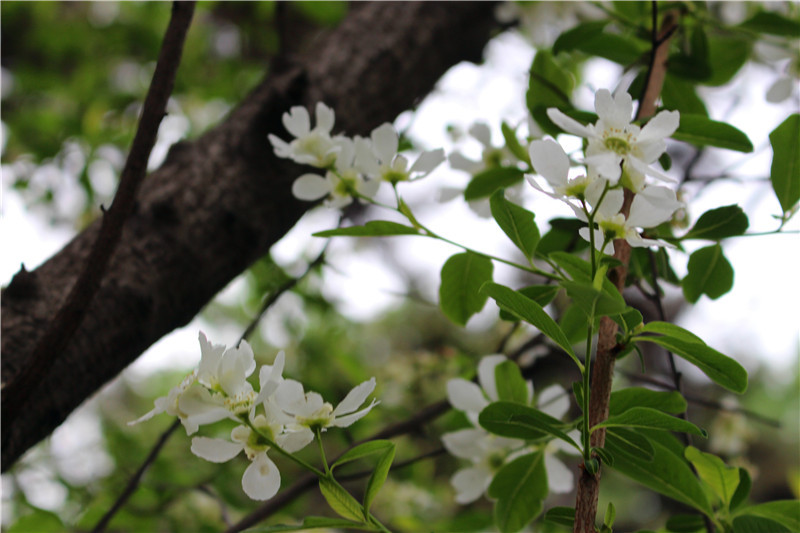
[
  {"x": 516, "y": 222},
  {"x": 727, "y": 54},
  {"x": 680, "y": 95},
  {"x": 541, "y": 294},
  {"x": 722, "y": 479},
  {"x": 784, "y": 512},
  {"x": 719, "y": 223},
  {"x": 665, "y": 473},
  {"x": 316, "y": 522},
  {"x": 522, "y": 422},
  {"x": 487, "y": 182},
  {"x": 772, "y": 23},
  {"x": 646, "y": 417},
  {"x": 720, "y": 368},
  {"x": 549, "y": 86},
  {"x": 373, "y": 447},
  {"x": 785, "y": 170},
  {"x": 685, "y": 523},
  {"x": 592, "y": 302},
  {"x": 669, "y": 402},
  {"x": 758, "y": 524},
  {"x": 563, "y": 516},
  {"x": 513, "y": 145},
  {"x": 373, "y": 228},
  {"x": 631, "y": 442},
  {"x": 511, "y": 386},
  {"x": 463, "y": 275},
  {"x": 572, "y": 38},
  {"x": 709, "y": 273},
  {"x": 519, "y": 487},
  {"x": 670, "y": 330},
  {"x": 743, "y": 490},
  {"x": 340, "y": 500},
  {"x": 618, "y": 48},
  {"x": 702, "y": 131},
  {"x": 531, "y": 312},
  {"x": 378, "y": 477}
]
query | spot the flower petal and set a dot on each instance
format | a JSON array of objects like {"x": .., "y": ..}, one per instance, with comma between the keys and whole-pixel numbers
[
  {"x": 281, "y": 147},
  {"x": 290, "y": 396},
  {"x": 458, "y": 161},
  {"x": 486, "y": 375},
  {"x": 325, "y": 117},
  {"x": 652, "y": 206},
  {"x": 384, "y": 142},
  {"x": 348, "y": 420},
  {"x": 559, "y": 477},
  {"x": 294, "y": 441},
  {"x": 660, "y": 126},
  {"x": 553, "y": 401},
  {"x": 237, "y": 363},
  {"x": 297, "y": 122},
  {"x": 262, "y": 479},
  {"x": 355, "y": 397},
  {"x": 427, "y": 161},
  {"x": 467, "y": 443},
  {"x": 215, "y": 450},
  {"x": 310, "y": 187},
  {"x": 210, "y": 357},
  {"x": 614, "y": 111},
  {"x": 550, "y": 161},
  {"x": 470, "y": 483},
  {"x": 568, "y": 124},
  {"x": 465, "y": 395},
  {"x": 481, "y": 132}
]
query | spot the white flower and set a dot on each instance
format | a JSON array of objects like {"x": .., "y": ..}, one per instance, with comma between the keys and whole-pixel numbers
[
  {"x": 491, "y": 156},
  {"x": 310, "y": 412},
  {"x": 616, "y": 146},
  {"x": 341, "y": 185},
  {"x": 551, "y": 162},
  {"x": 385, "y": 163},
  {"x": 311, "y": 146},
  {"x": 649, "y": 208}
]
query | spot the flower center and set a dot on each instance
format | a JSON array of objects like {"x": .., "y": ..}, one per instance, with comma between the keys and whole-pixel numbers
[
  {"x": 618, "y": 145},
  {"x": 346, "y": 186},
  {"x": 319, "y": 419}
]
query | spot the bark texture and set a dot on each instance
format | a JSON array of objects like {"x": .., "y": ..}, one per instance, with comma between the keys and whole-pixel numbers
[{"x": 218, "y": 203}]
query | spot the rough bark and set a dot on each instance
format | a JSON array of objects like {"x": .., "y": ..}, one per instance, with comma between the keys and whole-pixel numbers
[{"x": 218, "y": 203}]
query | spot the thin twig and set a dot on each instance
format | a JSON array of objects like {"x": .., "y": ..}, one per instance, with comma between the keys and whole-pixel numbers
[
  {"x": 70, "y": 316},
  {"x": 133, "y": 482}
]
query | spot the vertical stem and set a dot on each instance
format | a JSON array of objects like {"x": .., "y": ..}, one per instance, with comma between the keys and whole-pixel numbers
[{"x": 603, "y": 369}]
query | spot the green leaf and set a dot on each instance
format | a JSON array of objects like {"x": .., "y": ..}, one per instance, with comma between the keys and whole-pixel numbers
[
  {"x": 620, "y": 49},
  {"x": 460, "y": 294},
  {"x": 631, "y": 442},
  {"x": 686, "y": 523},
  {"x": 720, "y": 478},
  {"x": 563, "y": 516},
  {"x": 519, "y": 487},
  {"x": 605, "y": 456},
  {"x": 378, "y": 477},
  {"x": 646, "y": 417},
  {"x": 772, "y": 23},
  {"x": 563, "y": 236},
  {"x": 541, "y": 294},
  {"x": 592, "y": 302},
  {"x": 628, "y": 319},
  {"x": 340, "y": 500},
  {"x": 366, "y": 449},
  {"x": 666, "y": 474},
  {"x": 549, "y": 86},
  {"x": 785, "y": 170},
  {"x": 719, "y": 223},
  {"x": 531, "y": 312},
  {"x": 670, "y": 330},
  {"x": 581, "y": 270},
  {"x": 39, "y": 520},
  {"x": 743, "y": 490},
  {"x": 516, "y": 222},
  {"x": 374, "y": 228},
  {"x": 572, "y": 38},
  {"x": 757, "y": 524},
  {"x": 727, "y": 54},
  {"x": 709, "y": 273},
  {"x": 702, "y": 131},
  {"x": 316, "y": 522},
  {"x": 670, "y": 402},
  {"x": 784, "y": 512},
  {"x": 513, "y": 145},
  {"x": 511, "y": 386},
  {"x": 522, "y": 422},
  {"x": 487, "y": 182},
  {"x": 720, "y": 368}
]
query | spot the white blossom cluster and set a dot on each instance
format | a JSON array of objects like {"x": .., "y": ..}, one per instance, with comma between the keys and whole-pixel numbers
[
  {"x": 487, "y": 453},
  {"x": 353, "y": 167},
  {"x": 280, "y": 414},
  {"x": 619, "y": 155}
]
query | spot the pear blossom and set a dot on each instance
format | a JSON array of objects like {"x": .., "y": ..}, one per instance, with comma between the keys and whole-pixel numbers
[
  {"x": 552, "y": 163},
  {"x": 341, "y": 185},
  {"x": 617, "y": 147},
  {"x": 313, "y": 147},
  {"x": 487, "y": 453},
  {"x": 385, "y": 163},
  {"x": 309, "y": 412},
  {"x": 649, "y": 208}
]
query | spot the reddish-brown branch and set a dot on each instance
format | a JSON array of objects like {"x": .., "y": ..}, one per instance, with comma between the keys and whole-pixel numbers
[
  {"x": 603, "y": 367},
  {"x": 69, "y": 317}
]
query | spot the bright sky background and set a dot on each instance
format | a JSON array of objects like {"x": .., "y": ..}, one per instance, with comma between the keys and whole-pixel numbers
[{"x": 757, "y": 322}]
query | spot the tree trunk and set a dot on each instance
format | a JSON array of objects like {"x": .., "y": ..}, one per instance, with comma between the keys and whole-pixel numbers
[{"x": 219, "y": 203}]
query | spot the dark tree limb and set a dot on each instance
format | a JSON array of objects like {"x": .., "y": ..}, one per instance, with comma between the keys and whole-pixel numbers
[{"x": 218, "y": 203}]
